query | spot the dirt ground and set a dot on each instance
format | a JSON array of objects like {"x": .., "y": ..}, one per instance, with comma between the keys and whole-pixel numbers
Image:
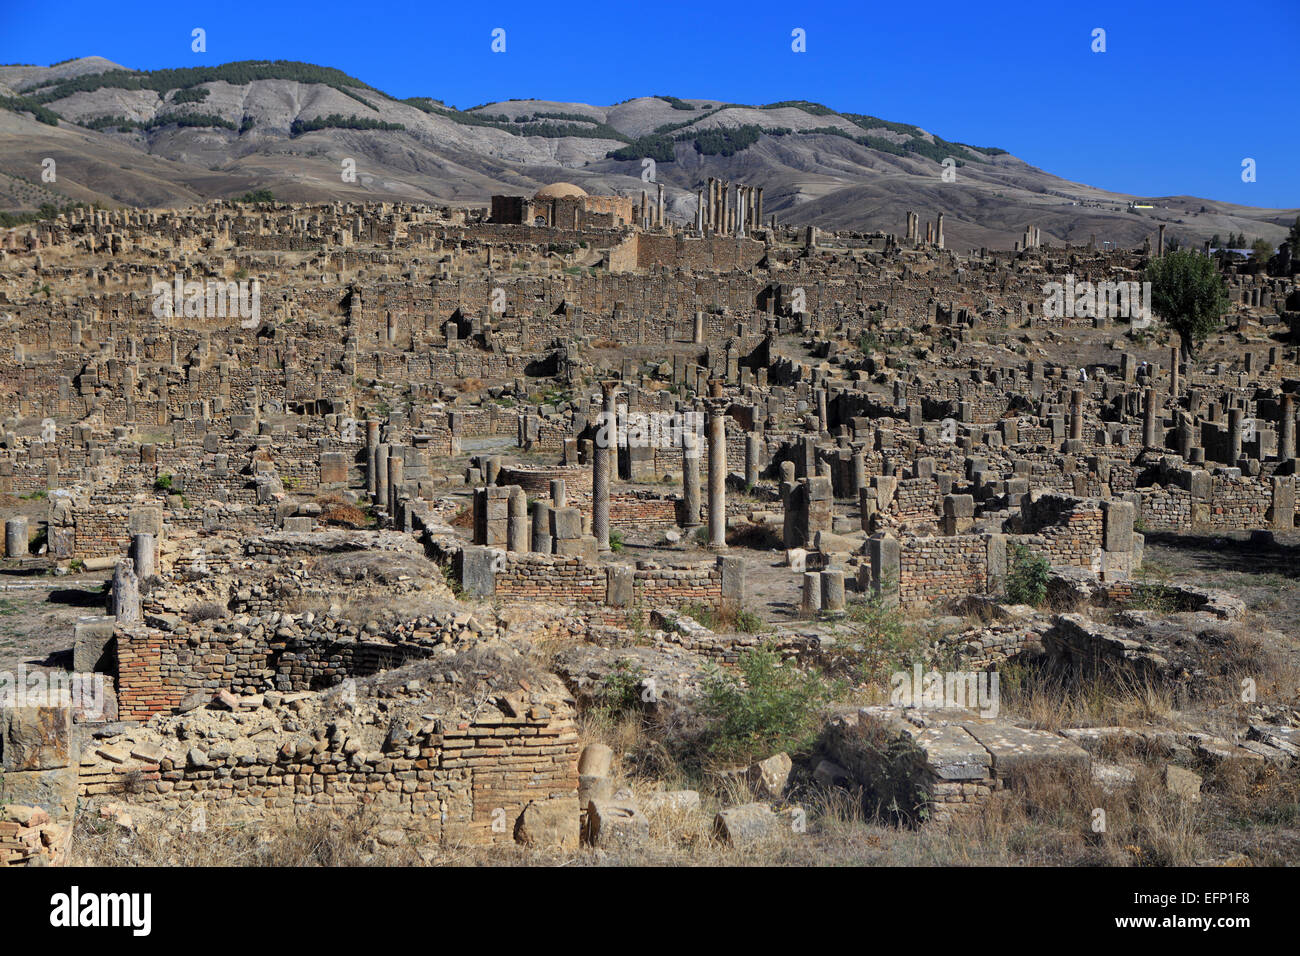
[{"x": 37, "y": 615}]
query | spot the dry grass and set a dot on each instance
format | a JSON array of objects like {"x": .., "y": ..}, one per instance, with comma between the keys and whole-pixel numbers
[
  {"x": 326, "y": 837},
  {"x": 1051, "y": 701},
  {"x": 337, "y": 511}
]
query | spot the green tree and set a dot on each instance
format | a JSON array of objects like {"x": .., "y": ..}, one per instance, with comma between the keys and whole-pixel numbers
[
  {"x": 1188, "y": 293},
  {"x": 1294, "y": 238},
  {"x": 1261, "y": 250}
]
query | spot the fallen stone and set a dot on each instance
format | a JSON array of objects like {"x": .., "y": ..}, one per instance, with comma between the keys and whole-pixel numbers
[
  {"x": 746, "y": 824},
  {"x": 769, "y": 777}
]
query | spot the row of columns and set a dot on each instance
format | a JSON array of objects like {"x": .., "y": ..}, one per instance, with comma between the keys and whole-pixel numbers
[
  {"x": 716, "y": 440},
  {"x": 725, "y": 208}
]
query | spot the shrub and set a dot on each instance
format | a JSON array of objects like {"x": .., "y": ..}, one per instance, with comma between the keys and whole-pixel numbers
[
  {"x": 728, "y": 616},
  {"x": 770, "y": 706},
  {"x": 163, "y": 483},
  {"x": 882, "y": 641},
  {"x": 1027, "y": 577},
  {"x": 210, "y": 611},
  {"x": 620, "y": 691},
  {"x": 616, "y": 541}
]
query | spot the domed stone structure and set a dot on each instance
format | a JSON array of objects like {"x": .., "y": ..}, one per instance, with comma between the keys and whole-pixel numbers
[
  {"x": 565, "y": 206},
  {"x": 559, "y": 191}
]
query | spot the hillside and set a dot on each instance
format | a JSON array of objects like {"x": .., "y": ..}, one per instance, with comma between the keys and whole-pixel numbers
[{"x": 172, "y": 137}]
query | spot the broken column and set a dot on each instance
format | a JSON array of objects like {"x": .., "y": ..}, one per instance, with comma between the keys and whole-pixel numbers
[
  {"x": 602, "y": 453},
  {"x": 125, "y": 593},
  {"x": 1236, "y": 421},
  {"x": 1149, "y": 420},
  {"x": 16, "y": 540},
  {"x": 143, "y": 553},
  {"x": 753, "y": 453},
  {"x": 541, "y": 541},
  {"x": 1076, "y": 415},
  {"x": 517, "y": 522}
]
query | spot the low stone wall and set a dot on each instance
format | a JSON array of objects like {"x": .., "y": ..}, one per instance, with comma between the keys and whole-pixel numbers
[
  {"x": 1069, "y": 532},
  {"x": 455, "y": 779}
]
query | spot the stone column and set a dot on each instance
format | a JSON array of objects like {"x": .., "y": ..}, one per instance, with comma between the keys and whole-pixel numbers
[
  {"x": 16, "y": 540},
  {"x": 126, "y": 593},
  {"x": 541, "y": 527},
  {"x": 142, "y": 553},
  {"x": 559, "y": 495},
  {"x": 753, "y": 452},
  {"x": 1236, "y": 419},
  {"x": 1076, "y": 415},
  {"x": 395, "y": 465},
  {"x": 1186, "y": 436},
  {"x": 659, "y": 206},
  {"x": 1149, "y": 420},
  {"x": 690, "y": 472},
  {"x": 381, "y": 476},
  {"x": 517, "y": 522},
  {"x": 603, "y": 450},
  {"x": 697, "y": 334},
  {"x": 1286, "y": 428},
  {"x": 717, "y": 476},
  {"x": 1173, "y": 372},
  {"x": 372, "y": 446}
]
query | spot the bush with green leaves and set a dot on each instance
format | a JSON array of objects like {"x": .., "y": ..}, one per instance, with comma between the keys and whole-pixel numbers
[
  {"x": 1027, "y": 577},
  {"x": 766, "y": 706},
  {"x": 620, "y": 691},
  {"x": 881, "y": 641}
]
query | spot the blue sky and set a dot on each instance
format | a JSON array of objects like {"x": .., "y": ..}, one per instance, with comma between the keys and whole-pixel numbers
[{"x": 1184, "y": 92}]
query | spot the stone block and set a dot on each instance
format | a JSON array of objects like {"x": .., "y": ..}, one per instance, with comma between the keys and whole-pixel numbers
[
  {"x": 92, "y": 639},
  {"x": 54, "y": 791},
  {"x": 478, "y": 567},
  {"x": 35, "y": 738},
  {"x": 1016, "y": 749},
  {"x": 550, "y": 823},
  {"x": 616, "y": 824},
  {"x": 1117, "y": 525},
  {"x": 746, "y": 824},
  {"x": 618, "y": 585},
  {"x": 768, "y": 777}
]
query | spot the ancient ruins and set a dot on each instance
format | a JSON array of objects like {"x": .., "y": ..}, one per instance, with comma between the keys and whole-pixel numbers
[{"x": 385, "y": 500}]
